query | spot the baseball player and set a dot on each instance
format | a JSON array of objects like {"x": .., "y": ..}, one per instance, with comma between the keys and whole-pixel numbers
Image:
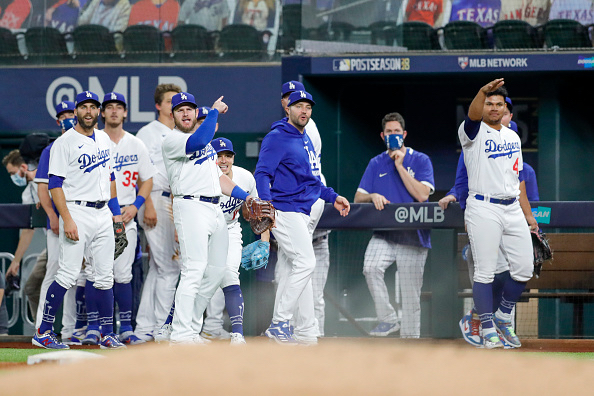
[
  {"x": 196, "y": 184},
  {"x": 155, "y": 217},
  {"x": 400, "y": 174},
  {"x": 74, "y": 313},
  {"x": 470, "y": 323},
  {"x": 83, "y": 188},
  {"x": 496, "y": 213},
  {"x": 132, "y": 163},
  {"x": 284, "y": 175},
  {"x": 320, "y": 237}
]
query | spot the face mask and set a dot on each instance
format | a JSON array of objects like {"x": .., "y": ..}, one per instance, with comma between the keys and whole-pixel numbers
[
  {"x": 19, "y": 180},
  {"x": 68, "y": 123},
  {"x": 394, "y": 141}
]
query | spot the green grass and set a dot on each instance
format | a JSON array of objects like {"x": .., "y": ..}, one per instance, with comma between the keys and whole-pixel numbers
[
  {"x": 566, "y": 355},
  {"x": 21, "y": 355}
]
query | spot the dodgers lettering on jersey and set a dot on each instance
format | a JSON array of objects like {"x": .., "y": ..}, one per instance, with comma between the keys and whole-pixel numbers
[
  {"x": 230, "y": 205},
  {"x": 493, "y": 161},
  {"x": 202, "y": 155}
]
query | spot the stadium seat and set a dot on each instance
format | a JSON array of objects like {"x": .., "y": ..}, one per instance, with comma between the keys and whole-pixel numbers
[
  {"x": 383, "y": 33},
  {"x": 9, "y": 48},
  {"x": 566, "y": 33},
  {"x": 464, "y": 35},
  {"x": 143, "y": 43},
  {"x": 46, "y": 45},
  {"x": 241, "y": 42},
  {"x": 291, "y": 26},
  {"x": 514, "y": 34},
  {"x": 191, "y": 43},
  {"x": 94, "y": 43},
  {"x": 416, "y": 36},
  {"x": 334, "y": 31}
]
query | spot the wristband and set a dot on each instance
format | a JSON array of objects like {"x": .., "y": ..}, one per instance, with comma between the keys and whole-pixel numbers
[
  {"x": 114, "y": 206},
  {"x": 239, "y": 193},
  {"x": 139, "y": 201}
]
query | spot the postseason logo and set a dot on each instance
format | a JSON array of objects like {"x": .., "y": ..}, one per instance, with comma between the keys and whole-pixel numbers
[{"x": 370, "y": 64}]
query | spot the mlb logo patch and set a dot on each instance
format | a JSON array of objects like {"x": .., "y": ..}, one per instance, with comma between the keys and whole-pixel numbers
[
  {"x": 463, "y": 62},
  {"x": 341, "y": 65}
]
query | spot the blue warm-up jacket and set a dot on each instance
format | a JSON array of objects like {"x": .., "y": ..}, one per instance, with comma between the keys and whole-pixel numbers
[{"x": 283, "y": 173}]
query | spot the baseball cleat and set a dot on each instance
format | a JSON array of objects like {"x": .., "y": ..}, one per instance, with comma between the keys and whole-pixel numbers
[
  {"x": 48, "y": 340},
  {"x": 76, "y": 338},
  {"x": 384, "y": 328},
  {"x": 219, "y": 334},
  {"x": 237, "y": 339},
  {"x": 111, "y": 341},
  {"x": 164, "y": 334},
  {"x": 470, "y": 325},
  {"x": 491, "y": 340},
  {"x": 281, "y": 333},
  {"x": 507, "y": 332},
  {"x": 93, "y": 337},
  {"x": 130, "y": 339}
]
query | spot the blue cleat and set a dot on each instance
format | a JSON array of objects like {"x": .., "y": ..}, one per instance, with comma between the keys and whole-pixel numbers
[
  {"x": 507, "y": 332},
  {"x": 491, "y": 340},
  {"x": 48, "y": 340},
  {"x": 129, "y": 338},
  {"x": 111, "y": 341},
  {"x": 76, "y": 338},
  {"x": 384, "y": 328},
  {"x": 470, "y": 325},
  {"x": 93, "y": 337},
  {"x": 281, "y": 333}
]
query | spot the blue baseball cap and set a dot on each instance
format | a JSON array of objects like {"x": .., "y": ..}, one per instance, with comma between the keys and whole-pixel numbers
[
  {"x": 183, "y": 98},
  {"x": 291, "y": 86},
  {"x": 202, "y": 112},
  {"x": 510, "y": 105},
  {"x": 64, "y": 106},
  {"x": 114, "y": 97},
  {"x": 513, "y": 126},
  {"x": 222, "y": 144},
  {"x": 87, "y": 96},
  {"x": 300, "y": 96}
]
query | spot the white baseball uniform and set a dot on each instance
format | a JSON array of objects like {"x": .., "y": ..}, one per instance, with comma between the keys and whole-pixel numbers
[
  {"x": 201, "y": 228},
  {"x": 231, "y": 209},
  {"x": 493, "y": 160},
  {"x": 163, "y": 273},
  {"x": 85, "y": 164}
]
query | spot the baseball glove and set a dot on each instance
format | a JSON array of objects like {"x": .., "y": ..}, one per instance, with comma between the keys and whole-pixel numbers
[
  {"x": 120, "y": 239},
  {"x": 255, "y": 255},
  {"x": 541, "y": 249},
  {"x": 260, "y": 214}
]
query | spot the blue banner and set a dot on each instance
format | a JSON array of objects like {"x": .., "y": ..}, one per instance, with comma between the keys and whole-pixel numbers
[{"x": 252, "y": 93}]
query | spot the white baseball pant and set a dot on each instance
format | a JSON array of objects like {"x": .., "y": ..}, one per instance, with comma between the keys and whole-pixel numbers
[
  {"x": 204, "y": 241},
  {"x": 122, "y": 266},
  {"x": 159, "y": 285},
  {"x": 320, "y": 275},
  {"x": 410, "y": 261}
]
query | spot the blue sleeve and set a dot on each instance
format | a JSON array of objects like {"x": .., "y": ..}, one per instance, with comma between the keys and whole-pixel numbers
[
  {"x": 522, "y": 176},
  {"x": 112, "y": 178},
  {"x": 531, "y": 183},
  {"x": 270, "y": 156},
  {"x": 424, "y": 172},
  {"x": 43, "y": 166},
  {"x": 367, "y": 178},
  {"x": 328, "y": 194},
  {"x": 471, "y": 127},
  {"x": 55, "y": 182},
  {"x": 461, "y": 184},
  {"x": 204, "y": 133}
]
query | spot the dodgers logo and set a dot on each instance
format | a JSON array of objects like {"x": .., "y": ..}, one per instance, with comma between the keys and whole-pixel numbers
[
  {"x": 504, "y": 149},
  {"x": 90, "y": 162},
  {"x": 231, "y": 205},
  {"x": 463, "y": 62},
  {"x": 291, "y": 85},
  {"x": 204, "y": 154},
  {"x": 124, "y": 160}
]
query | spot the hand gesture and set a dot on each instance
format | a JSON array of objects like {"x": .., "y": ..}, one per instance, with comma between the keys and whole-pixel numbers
[
  {"x": 342, "y": 205},
  {"x": 492, "y": 86},
  {"x": 379, "y": 201},
  {"x": 445, "y": 201},
  {"x": 397, "y": 156},
  {"x": 220, "y": 105}
]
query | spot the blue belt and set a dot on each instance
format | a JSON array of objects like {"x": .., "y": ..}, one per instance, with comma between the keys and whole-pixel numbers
[
  {"x": 96, "y": 205},
  {"x": 166, "y": 194},
  {"x": 212, "y": 200},
  {"x": 508, "y": 201}
]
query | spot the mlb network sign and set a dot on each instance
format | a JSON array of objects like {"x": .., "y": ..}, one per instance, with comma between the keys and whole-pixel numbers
[
  {"x": 485, "y": 63},
  {"x": 66, "y": 88},
  {"x": 370, "y": 64}
]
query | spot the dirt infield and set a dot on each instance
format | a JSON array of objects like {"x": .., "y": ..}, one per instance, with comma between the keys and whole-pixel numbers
[{"x": 336, "y": 366}]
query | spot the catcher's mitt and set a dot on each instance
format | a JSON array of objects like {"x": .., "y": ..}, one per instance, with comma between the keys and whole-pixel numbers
[
  {"x": 260, "y": 214},
  {"x": 255, "y": 255},
  {"x": 121, "y": 241},
  {"x": 541, "y": 249}
]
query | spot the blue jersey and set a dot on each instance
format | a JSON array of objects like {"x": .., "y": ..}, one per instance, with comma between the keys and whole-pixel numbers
[
  {"x": 381, "y": 177},
  {"x": 41, "y": 176},
  {"x": 284, "y": 170},
  {"x": 531, "y": 184},
  {"x": 483, "y": 12}
]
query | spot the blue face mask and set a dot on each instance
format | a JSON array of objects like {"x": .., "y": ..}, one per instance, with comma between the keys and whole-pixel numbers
[
  {"x": 68, "y": 123},
  {"x": 394, "y": 141},
  {"x": 20, "y": 181}
]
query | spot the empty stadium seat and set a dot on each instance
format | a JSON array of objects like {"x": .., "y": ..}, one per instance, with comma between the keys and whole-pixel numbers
[
  {"x": 241, "y": 43},
  {"x": 46, "y": 45},
  {"x": 416, "y": 36},
  {"x": 334, "y": 31},
  {"x": 566, "y": 33},
  {"x": 142, "y": 43},
  {"x": 514, "y": 34},
  {"x": 94, "y": 43},
  {"x": 191, "y": 43},
  {"x": 465, "y": 35},
  {"x": 9, "y": 48}
]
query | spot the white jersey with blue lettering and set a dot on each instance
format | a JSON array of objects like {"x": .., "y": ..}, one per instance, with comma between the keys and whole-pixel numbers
[
  {"x": 493, "y": 160},
  {"x": 152, "y": 135},
  {"x": 195, "y": 174},
  {"x": 85, "y": 164},
  {"x": 131, "y": 162},
  {"x": 231, "y": 206},
  {"x": 311, "y": 129}
]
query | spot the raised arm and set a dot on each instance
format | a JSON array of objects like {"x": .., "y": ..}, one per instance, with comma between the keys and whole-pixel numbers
[{"x": 475, "y": 111}]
